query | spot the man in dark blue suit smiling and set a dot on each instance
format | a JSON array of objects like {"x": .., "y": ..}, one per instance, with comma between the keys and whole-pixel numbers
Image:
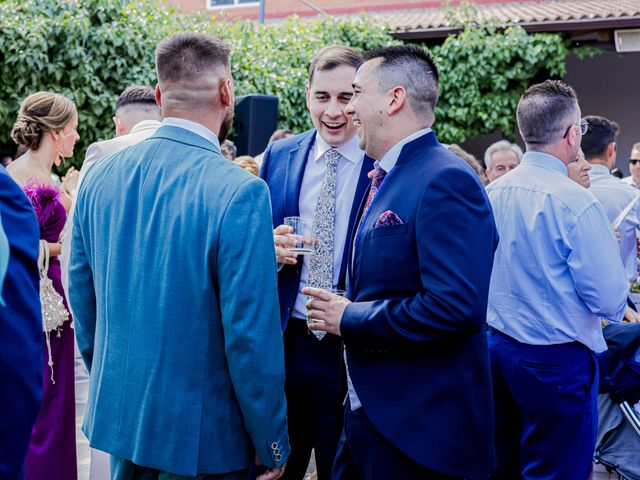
[
  {"x": 320, "y": 174},
  {"x": 420, "y": 404}
]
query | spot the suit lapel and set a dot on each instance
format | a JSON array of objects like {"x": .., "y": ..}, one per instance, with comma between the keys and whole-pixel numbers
[
  {"x": 295, "y": 171},
  {"x": 356, "y": 207}
]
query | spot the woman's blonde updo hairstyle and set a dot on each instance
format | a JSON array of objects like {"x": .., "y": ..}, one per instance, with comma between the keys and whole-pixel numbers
[{"x": 40, "y": 113}]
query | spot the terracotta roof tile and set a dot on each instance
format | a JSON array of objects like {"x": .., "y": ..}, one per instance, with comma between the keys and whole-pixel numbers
[{"x": 540, "y": 11}]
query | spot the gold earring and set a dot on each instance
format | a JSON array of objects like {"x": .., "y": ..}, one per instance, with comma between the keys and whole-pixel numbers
[{"x": 59, "y": 155}]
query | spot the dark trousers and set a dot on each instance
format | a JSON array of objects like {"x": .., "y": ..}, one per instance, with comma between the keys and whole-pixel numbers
[
  {"x": 315, "y": 387},
  {"x": 546, "y": 409},
  {"x": 122, "y": 469},
  {"x": 364, "y": 454}
]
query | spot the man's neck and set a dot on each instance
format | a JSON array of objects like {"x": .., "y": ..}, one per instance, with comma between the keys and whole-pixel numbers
[
  {"x": 599, "y": 161},
  {"x": 193, "y": 116}
]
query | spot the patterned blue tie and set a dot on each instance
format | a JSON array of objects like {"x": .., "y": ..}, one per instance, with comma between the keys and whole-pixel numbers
[{"x": 321, "y": 262}]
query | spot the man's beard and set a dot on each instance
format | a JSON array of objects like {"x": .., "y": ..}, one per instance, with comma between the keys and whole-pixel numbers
[{"x": 225, "y": 127}]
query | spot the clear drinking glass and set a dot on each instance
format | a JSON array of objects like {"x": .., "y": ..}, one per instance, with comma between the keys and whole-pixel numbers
[
  {"x": 303, "y": 233},
  {"x": 320, "y": 335}
]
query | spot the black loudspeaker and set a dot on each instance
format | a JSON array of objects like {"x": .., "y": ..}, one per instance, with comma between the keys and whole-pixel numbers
[{"x": 256, "y": 118}]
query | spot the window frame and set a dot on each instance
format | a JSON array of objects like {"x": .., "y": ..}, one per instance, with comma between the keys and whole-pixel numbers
[{"x": 236, "y": 4}]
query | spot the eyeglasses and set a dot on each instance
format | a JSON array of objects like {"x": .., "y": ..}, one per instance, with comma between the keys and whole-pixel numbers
[
  {"x": 633, "y": 161},
  {"x": 584, "y": 126}
]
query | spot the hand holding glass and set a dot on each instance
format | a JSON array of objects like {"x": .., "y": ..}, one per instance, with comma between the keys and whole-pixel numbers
[
  {"x": 303, "y": 233},
  {"x": 320, "y": 335}
]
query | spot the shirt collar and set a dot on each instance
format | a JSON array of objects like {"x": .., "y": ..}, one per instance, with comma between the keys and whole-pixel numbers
[
  {"x": 144, "y": 124},
  {"x": 546, "y": 161},
  {"x": 389, "y": 159},
  {"x": 599, "y": 170},
  {"x": 349, "y": 150},
  {"x": 194, "y": 127}
]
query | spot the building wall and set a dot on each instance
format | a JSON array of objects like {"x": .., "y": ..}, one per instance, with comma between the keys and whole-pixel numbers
[
  {"x": 607, "y": 86},
  {"x": 284, "y": 8}
]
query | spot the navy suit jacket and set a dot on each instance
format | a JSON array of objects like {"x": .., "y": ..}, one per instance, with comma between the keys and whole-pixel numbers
[
  {"x": 415, "y": 334},
  {"x": 283, "y": 168},
  {"x": 21, "y": 336}
]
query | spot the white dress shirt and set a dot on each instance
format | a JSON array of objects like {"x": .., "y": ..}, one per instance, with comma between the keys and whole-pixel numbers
[
  {"x": 194, "y": 127},
  {"x": 557, "y": 269},
  {"x": 629, "y": 181},
  {"x": 349, "y": 166},
  {"x": 615, "y": 195}
]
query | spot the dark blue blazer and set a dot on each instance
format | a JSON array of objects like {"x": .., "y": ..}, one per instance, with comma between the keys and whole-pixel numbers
[
  {"x": 283, "y": 168},
  {"x": 415, "y": 336},
  {"x": 21, "y": 335}
]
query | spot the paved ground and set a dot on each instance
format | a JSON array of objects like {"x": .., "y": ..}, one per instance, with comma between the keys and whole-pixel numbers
[{"x": 82, "y": 387}]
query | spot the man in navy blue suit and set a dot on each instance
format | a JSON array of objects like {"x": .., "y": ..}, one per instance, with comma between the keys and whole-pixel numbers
[
  {"x": 420, "y": 401},
  {"x": 320, "y": 174},
  {"x": 20, "y": 330}
]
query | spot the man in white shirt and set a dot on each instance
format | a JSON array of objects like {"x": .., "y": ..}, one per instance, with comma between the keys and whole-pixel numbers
[
  {"x": 322, "y": 170},
  {"x": 137, "y": 116},
  {"x": 634, "y": 167},
  {"x": 599, "y": 147}
]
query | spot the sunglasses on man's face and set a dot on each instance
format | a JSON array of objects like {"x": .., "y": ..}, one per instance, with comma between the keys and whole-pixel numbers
[{"x": 633, "y": 161}]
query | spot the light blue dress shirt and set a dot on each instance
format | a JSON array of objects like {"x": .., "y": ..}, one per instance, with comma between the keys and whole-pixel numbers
[
  {"x": 387, "y": 162},
  {"x": 349, "y": 166},
  {"x": 615, "y": 195},
  {"x": 557, "y": 268}
]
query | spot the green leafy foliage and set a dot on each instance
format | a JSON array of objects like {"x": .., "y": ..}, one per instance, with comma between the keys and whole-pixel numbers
[
  {"x": 483, "y": 73},
  {"x": 91, "y": 50}
]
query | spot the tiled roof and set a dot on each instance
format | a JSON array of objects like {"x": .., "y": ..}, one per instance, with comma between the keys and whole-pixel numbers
[{"x": 533, "y": 12}]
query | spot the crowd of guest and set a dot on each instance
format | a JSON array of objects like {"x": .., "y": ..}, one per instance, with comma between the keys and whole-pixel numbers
[{"x": 444, "y": 320}]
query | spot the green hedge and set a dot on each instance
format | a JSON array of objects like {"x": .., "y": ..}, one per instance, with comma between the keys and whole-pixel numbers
[{"x": 92, "y": 49}]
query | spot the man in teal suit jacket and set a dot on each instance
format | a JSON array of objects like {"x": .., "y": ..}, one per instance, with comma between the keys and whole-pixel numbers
[{"x": 173, "y": 285}]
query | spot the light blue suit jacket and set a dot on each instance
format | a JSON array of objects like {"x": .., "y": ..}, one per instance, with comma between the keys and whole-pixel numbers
[{"x": 173, "y": 286}]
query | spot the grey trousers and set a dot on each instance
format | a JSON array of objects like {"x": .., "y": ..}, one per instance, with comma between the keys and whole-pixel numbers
[{"x": 122, "y": 469}]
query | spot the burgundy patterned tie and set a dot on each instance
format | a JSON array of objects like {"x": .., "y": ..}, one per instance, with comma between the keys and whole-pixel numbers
[{"x": 376, "y": 181}]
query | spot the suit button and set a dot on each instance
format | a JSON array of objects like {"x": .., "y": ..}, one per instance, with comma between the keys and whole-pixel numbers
[
  {"x": 278, "y": 457},
  {"x": 274, "y": 445},
  {"x": 276, "y": 451}
]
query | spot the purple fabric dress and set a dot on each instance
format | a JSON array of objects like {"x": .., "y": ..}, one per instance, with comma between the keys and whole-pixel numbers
[{"x": 52, "y": 449}]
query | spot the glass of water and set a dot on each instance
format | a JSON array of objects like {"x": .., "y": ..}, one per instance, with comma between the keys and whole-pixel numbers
[
  {"x": 320, "y": 335},
  {"x": 306, "y": 241}
]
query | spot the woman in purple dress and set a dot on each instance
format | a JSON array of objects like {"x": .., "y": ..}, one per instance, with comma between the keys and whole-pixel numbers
[{"x": 46, "y": 125}]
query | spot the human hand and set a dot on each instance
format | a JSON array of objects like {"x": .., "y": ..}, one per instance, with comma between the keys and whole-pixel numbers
[
  {"x": 272, "y": 473},
  {"x": 631, "y": 315},
  {"x": 283, "y": 241},
  {"x": 324, "y": 310},
  {"x": 70, "y": 180}
]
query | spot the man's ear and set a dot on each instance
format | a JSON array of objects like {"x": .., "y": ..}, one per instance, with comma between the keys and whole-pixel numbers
[
  {"x": 158, "y": 96},
  {"x": 572, "y": 137},
  {"x": 307, "y": 90},
  {"x": 121, "y": 128},
  {"x": 226, "y": 93},
  {"x": 397, "y": 99}
]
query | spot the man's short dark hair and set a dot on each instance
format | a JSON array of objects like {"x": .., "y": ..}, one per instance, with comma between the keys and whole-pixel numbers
[
  {"x": 186, "y": 56},
  {"x": 139, "y": 96},
  {"x": 412, "y": 68},
  {"x": 600, "y": 134},
  {"x": 334, "y": 56},
  {"x": 545, "y": 111}
]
